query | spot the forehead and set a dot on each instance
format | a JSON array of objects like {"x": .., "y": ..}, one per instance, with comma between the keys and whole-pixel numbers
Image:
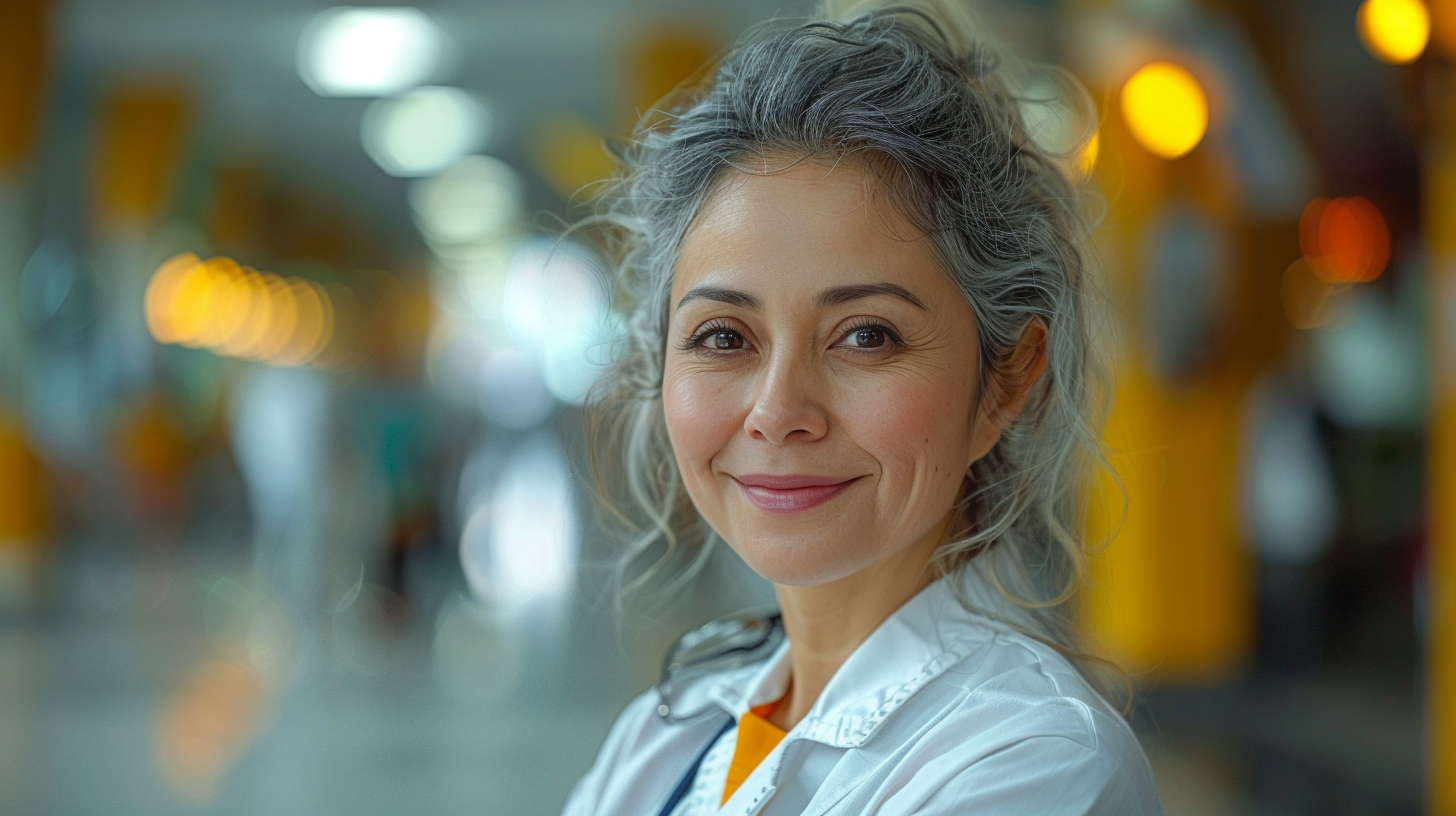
[{"x": 811, "y": 226}]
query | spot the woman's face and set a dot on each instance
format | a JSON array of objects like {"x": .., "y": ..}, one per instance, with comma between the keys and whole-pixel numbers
[{"x": 819, "y": 385}]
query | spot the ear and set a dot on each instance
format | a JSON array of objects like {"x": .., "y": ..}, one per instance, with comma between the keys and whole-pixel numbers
[{"x": 1008, "y": 388}]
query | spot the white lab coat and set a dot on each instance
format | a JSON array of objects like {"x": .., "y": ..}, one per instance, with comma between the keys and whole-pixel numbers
[{"x": 940, "y": 711}]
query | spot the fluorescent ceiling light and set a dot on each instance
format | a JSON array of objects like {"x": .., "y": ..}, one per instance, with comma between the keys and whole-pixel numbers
[
  {"x": 423, "y": 131},
  {"x": 368, "y": 51},
  {"x": 477, "y": 199}
]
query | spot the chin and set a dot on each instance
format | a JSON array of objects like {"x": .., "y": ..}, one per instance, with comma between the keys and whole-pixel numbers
[{"x": 795, "y": 560}]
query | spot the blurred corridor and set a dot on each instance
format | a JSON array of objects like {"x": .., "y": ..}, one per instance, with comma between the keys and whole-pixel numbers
[{"x": 294, "y": 515}]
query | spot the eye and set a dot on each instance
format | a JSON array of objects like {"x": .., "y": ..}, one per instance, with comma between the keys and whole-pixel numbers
[
  {"x": 717, "y": 337},
  {"x": 725, "y": 340},
  {"x": 870, "y": 337}
]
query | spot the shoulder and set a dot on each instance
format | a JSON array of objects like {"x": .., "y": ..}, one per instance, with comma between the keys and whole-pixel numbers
[
  {"x": 1044, "y": 774},
  {"x": 1021, "y": 725},
  {"x": 1032, "y": 688}
]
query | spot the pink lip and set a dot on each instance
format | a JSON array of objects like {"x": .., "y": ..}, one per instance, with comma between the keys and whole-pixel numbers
[{"x": 790, "y": 494}]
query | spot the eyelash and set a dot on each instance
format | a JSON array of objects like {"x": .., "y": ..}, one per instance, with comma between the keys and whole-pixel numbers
[{"x": 712, "y": 327}]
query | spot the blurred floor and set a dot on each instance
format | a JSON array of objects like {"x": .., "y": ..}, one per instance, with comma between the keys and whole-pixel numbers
[{"x": 361, "y": 726}]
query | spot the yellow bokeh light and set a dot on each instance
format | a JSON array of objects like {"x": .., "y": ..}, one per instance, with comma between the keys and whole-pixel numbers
[
  {"x": 282, "y": 321},
  {"x": 309, "y": 325},
  {"x": 227, "y": 304},
  {"x": 162, "y": 294},
  {"x": 191, "y": 305},
  {"x": 237, "y": 311},
  {"x": 252, "y": 295},
  {"x": 1165, "y": 109},
  {"x": 1395, "y": 31}
]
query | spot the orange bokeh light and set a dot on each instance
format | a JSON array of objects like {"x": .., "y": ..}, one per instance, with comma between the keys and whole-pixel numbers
[
  {"x": 238, "y": 311},
  {"x": 1344, "y": 240},
  {"x": 206, "y": 723}
]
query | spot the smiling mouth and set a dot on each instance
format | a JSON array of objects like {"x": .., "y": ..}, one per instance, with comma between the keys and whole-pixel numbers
[{"x": 791, "y": 499}]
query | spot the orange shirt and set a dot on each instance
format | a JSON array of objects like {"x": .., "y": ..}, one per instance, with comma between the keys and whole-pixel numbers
[{"x": 756, "y": 738}]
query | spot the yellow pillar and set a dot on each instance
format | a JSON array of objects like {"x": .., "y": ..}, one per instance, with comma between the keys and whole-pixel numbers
[
  {"x": 141, "y": 136},
  {"x": 1171, "y": 596},
  {"x": 570, "y": 151},
  {"x": 23, "y": 56},
  {"x": 1440, "y": 216},
  {"x": 143, "y": 131}
]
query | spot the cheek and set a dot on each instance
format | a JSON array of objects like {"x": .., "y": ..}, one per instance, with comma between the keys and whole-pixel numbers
[
  {"x": 700, "y": 420},
  {"x": 918, "y": 430}
]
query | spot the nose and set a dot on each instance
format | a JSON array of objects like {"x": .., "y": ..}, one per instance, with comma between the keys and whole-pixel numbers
[{"x": 788, "y": 402}]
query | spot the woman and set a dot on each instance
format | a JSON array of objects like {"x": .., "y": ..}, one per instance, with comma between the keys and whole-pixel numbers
[{"x": 860, "y": 357}]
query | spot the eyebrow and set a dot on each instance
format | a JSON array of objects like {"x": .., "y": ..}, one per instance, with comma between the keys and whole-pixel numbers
[
  {"x": 832, "y": 296},
  {"x": 844, "y": 294}
]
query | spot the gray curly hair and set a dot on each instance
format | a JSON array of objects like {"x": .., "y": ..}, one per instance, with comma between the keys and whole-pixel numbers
[{"x": 940, "y": 115}]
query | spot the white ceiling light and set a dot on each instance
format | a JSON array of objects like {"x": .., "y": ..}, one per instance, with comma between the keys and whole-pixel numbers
[
  {"x": 554, "y": 306},
  {"x": 475, "y": 200},
  {"x": 551, "y": 287},
  {"x": 520, "y": 545},
  {"x": 368, "y": 51},
  {"x": 423, "y": 131}
]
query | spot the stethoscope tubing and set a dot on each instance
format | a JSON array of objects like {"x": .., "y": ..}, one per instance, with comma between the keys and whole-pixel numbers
[{"x": 686, "y": 783}]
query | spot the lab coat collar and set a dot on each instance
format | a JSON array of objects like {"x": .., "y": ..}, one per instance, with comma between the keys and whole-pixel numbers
[{"x": 917, "y": 643}]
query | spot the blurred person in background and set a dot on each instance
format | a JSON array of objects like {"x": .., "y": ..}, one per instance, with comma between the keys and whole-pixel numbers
[{"x": 860, "y": 355}]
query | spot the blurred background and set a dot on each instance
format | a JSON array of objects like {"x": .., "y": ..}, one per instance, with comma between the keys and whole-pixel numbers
[{"x": 292, "y": 517}]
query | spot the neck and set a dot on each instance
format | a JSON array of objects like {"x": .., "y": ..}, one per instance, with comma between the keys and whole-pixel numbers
[{"x": 825, "y": 623}]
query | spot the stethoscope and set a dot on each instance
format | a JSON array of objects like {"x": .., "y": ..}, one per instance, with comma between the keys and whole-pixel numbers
[
  {"x": 756, "y": 630},
  {"x": 686, "y": 783}
]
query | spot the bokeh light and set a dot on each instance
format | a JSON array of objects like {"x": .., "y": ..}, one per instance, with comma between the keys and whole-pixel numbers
[
  {"x": 236, "y": 311},
  {"x": 1345, "y": 240},
  {"x": 1395, "y": 31},
  {"x": 1369, "y": 368},
  {"x": 368, "y": 51},
  {"x": 206, "y": 724},
  {"x": 555, "y": 307},
  {"x": 519, "y": 545},
  {"x": 477, "y": 199},
  {"x": 1291, "y": 505},
  {"x": 1165, "y": 108},
  {"x": 424, "y": 130}
]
